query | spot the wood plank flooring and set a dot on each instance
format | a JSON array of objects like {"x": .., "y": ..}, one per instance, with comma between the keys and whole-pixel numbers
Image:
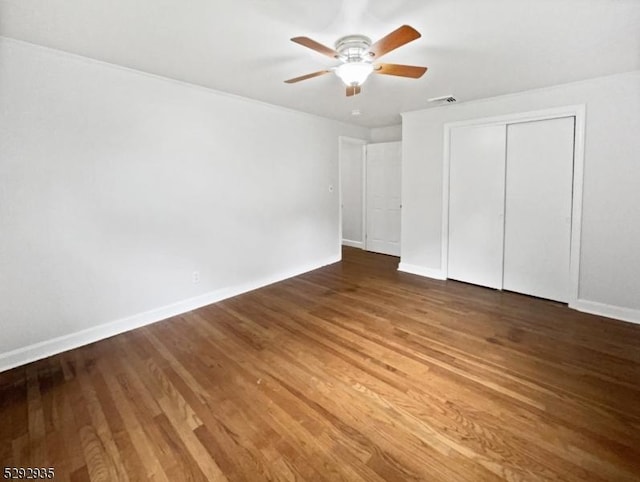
[{"x": 351, "y": 372}]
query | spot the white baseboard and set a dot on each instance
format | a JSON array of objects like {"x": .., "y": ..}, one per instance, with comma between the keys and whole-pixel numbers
[
  {"x": 37, "y": 351},
  {"x": 610, "y": 311},
  {"x": 422, "y": 271},
  {"x": 353, "y": 244}
]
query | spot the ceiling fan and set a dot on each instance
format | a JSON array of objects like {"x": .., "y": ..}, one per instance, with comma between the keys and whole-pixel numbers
[{"x": 358, "y": 54}]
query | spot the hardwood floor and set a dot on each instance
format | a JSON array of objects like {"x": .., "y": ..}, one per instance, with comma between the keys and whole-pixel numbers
[{"x": 351, "y": 372}]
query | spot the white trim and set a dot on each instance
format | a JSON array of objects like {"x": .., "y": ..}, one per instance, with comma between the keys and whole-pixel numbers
[
  {"x": 37, "y": 351},
  {"x": 576, "y": 215},
  {"x": 421, "y": 271},
  {"x": 365, "y": 165},
  {"x": 577, "y": 111},
  {"x": 610, "y": 311},
  {"x": 363, "y": 221},
  {"x": 353, "y": 244},
  {"x": 446, "y": 168},
  {"x": 202, "y": 88},
  {"x": 363, "y": 143},
  {"x": 519, "y": 117}
]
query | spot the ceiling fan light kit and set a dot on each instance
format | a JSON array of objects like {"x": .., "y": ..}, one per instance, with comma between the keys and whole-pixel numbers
[
  {"x": 357, "y": 54},
  {"x": 354, "y": 73}
]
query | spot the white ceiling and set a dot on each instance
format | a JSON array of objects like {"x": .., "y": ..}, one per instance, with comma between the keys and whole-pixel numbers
[{"x": 473, "y": 48}]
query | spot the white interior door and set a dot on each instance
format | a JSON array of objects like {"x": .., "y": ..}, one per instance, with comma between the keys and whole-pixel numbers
[
  {"x": 476, "y": 204},
  {"x": 539, "y": 183},
  {"x": 352, "y": 191},
  {"x": 383, "y": 198}
]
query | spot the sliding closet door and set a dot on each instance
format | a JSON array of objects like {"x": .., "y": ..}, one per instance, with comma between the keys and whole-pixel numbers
[
  {"x": 539, "y": 183},
  {"x": 476, "y": 204}
]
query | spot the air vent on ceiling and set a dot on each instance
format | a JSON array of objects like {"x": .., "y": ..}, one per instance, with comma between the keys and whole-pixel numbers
[{"x": 444, "y": 98}]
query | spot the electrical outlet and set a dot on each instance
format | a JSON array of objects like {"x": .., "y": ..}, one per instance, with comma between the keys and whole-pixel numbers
[{"x": 196, "y": 277}]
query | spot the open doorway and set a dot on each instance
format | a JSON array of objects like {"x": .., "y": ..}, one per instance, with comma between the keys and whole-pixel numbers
[{"x": 370, "y": 195}]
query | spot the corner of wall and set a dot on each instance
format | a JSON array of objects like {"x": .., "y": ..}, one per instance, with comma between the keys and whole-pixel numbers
[{"x": 421, "y": 271}]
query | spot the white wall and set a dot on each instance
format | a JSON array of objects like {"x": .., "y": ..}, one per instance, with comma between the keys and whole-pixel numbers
[
  {"x": 386, "y": 134},
  {"x": 352, "y": 186},
  {"x": 610, "y": 257},
  {"x": 115, "y": 186}
]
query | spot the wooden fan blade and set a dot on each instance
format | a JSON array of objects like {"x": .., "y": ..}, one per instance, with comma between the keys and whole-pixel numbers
[
  {"x": 353, "y": 90},
  {"x": 308, "y": 76},
  {"x": 411, "y": 71},
  {"x": 395, "y": 39},
  {"x": 313, "y": 45}
]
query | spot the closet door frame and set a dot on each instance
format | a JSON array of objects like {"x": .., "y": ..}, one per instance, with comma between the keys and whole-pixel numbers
[{"x": 577, "y": 111}]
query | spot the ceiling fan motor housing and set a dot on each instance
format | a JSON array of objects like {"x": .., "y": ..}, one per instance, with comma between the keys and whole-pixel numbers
[{"x": 354, "y": 48}]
